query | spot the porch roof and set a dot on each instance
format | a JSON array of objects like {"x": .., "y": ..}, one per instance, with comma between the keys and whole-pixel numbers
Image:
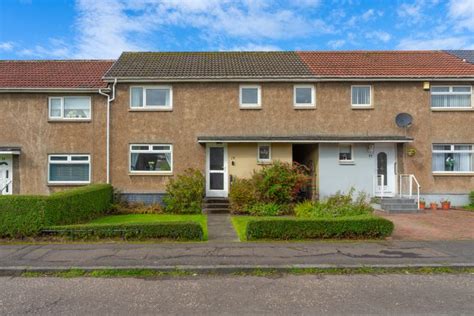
[
  {"x": 307, "y": 139},
  {"x": 10, "y": 150}
]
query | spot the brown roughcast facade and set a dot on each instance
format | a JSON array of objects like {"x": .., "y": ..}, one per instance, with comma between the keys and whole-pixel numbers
[{"x": 146, "y": 117}]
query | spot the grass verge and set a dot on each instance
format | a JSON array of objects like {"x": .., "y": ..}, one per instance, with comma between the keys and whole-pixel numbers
[{"x": 257, "y": 272}]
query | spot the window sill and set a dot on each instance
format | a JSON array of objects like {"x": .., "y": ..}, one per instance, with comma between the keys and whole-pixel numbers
[
  {"x": 267, "y": 162},
  {"x": 63, "y": 184},
  {"x": 347, "y": 163},
  {"x": 150, "y": 173},
  {"x": 453, "y": 174},
  {"x": 250, "y": 107},
  {"x": 452, "y": 109},
  {"x": 304, "y": 107},
  {"x": 150, "y": 110},
  {"x": 69, "y": 120},
  {"x": 362, "y": 107}
]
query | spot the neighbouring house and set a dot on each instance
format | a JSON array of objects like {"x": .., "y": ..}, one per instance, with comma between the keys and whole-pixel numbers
[{"x": 137, "y": 121}]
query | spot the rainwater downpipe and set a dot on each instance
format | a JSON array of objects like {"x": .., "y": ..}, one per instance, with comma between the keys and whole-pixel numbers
[{"x": 107, "y": 146}]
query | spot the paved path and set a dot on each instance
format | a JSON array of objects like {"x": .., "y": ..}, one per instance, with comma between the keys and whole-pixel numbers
[
  {"x": 230, "y": 255},
  {"x": 232, "y": 295},
  {"x": 220, "y": 228}
]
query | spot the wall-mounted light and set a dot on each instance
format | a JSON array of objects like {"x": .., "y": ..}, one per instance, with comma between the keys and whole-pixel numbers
[
  {"x": 426, "y": 85},
  {"x": 370, "y": 149}
]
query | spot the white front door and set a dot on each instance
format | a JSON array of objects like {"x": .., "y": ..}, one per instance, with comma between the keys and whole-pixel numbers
[
  {"x": 217, "y": 180},
  {"x": 6, "y": 183},
  {"x": 385, "y": 167}
]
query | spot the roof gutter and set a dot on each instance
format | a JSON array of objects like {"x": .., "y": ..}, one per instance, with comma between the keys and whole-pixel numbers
[
  {"x": 50, "y": 90},
  {"x": 285, "y": 79},
  {"x": 107, "y": 146}
]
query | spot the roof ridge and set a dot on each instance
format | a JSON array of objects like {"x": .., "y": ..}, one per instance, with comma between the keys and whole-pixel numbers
[{"x": 55, "y": 60}]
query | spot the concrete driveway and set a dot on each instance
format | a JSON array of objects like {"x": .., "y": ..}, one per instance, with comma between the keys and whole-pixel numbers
[{"x": 433, "y": 225}]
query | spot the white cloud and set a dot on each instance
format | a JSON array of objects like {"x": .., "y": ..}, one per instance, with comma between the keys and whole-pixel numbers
[
  {"x": 459, "y": 42},
  {"x": 462, "y": 11},
  {"x": 412, "y": 13},
  {"x": 379, "y": 35},
  {"x": 254, "y": 47},
  {"x": 335, "y": 44},
  {"x": 55, "y": 48},
  {"x": 6, "y": 46}
]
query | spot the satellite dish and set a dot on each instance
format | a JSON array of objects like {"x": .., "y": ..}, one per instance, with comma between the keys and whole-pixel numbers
[{"x": 403, "y": 120}]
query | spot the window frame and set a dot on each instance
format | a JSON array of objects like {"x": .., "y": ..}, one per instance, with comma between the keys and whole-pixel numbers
[
  {"x": 346, "y": 161},
  {"x": 450, "y": 92},
  {"x": 71, "y": 162},
  {"x": 362, "y": 106},
  {"x": 311, "y": 105},
  {"x": 452, "y": 151},
  {"x": 264, "y": 161},
  {"x": 150, "y": 151},
  {"x": 62, "y": 118},
  {"x": 146, "y": 107},
  {"x": 251, "y": 106}
]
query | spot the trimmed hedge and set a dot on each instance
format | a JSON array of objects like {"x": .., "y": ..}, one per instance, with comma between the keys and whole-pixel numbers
[
  {"x": 168, "y": 230},
  {"x": 341, "y": 227},
  {"x": 25, "y": 215}
]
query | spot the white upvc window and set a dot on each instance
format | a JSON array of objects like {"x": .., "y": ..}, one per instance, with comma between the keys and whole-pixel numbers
[
  {"x": 250, "y": 97},
  {"x": 451, "y": 97},
  {"x": 69, "y": 108},
  {"x": 361, "y": 96},
  {"x": 69, "y": 169},
  {"x": 151, "y": 158},
  {"x": 151, "y": 97},
  {"x": 453, "y": 158},
  {"x": 346, "y": 153},
  {"x": 304, "y": 96},
  {"x": 264, "y": 153}
]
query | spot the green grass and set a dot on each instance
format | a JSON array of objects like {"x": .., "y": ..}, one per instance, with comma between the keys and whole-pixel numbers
[
  {"x": 152, "y": 218},
  {"x": 257, "y": 272},
  {"x": 469, "y": 208}
]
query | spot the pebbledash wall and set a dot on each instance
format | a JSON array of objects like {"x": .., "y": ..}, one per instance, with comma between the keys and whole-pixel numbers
[
  {"x": 25, "y": 124},
  {"x": 212, "y": 109}
]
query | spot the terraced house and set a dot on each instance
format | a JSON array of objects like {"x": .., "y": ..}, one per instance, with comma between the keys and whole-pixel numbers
[{"x": 382, "y": 122}]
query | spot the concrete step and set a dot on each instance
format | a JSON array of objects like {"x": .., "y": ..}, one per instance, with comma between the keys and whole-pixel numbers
[
  {"x": 215, "y": 210},
  {"x": 216, "y": 205},
  {"x": 397, "y": 201},
  {"x": 400, "y": 207},
  {"x": 215, "y": 200}
]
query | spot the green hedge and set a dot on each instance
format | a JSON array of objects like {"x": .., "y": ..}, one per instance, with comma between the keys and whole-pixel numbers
[
  {"x": 341, "y": 227},
  {"x": 167, "y": 230},
  {"x": 25, "y": 215}
]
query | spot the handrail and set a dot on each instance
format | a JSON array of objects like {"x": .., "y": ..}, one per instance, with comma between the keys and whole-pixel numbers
[
  {"x": 382, "y": 186},
  {"x": 411, "y": 179},
  {"x": 5, "y": 186}
]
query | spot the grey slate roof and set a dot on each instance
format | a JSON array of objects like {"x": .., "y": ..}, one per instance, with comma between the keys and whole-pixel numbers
[
  {"x": 208, "y": 65},
  {"x": 468, "y": 55},
  {"x": 304, "y": 138}
]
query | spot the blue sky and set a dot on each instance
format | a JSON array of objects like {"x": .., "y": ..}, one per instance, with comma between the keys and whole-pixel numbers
[{"x": 59, "y": 29}]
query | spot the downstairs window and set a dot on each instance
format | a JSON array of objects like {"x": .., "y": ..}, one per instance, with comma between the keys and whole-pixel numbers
[
  {"x": 69, "y": 169},
  {"x": 151, "y": 158},
  {"x": 448, "y": 158}
]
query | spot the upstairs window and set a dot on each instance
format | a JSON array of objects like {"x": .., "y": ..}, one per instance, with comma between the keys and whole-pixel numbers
[
  {"x": 69, "y": 108},
  {"x": 448, "y": 158},
  {"x": 361, "y": 96},
  {"x": 156, "y": 97},
  {"x": 304, "y": 96},
  {"x": 451, "y": 97},
  {"x": 151, "y": 158},
  {"x": 345, "y": 153},
  {"x": 264, "y": 154},
  {"x": 69, "y": 169},
  {"x": 250, "y": 96}
]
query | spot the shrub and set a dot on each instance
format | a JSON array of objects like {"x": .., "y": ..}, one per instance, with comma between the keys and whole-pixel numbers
[
  {"x": 347, "y": 227},
  {"x": 335, "y": 206},
  {"x": 471, "y": 198},
  {"x": 185, "y": 193},
  {"x": 25, "y": 215},
  {"x": 280, "y": 182},
  {"x": 266, "y": 209},
  {"x": 123, "y": 208},
  {"x": 242, "y": 195},
  {"x": 168, "y": 230}
]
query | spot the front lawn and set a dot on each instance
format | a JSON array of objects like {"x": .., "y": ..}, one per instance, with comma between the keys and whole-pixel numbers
[{"x": 136, "y": 227}]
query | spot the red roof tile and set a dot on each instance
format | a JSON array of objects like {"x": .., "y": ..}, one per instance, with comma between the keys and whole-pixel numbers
[
  {"x": 386, "y": 64},
  {"x": 53, "y": 73}
]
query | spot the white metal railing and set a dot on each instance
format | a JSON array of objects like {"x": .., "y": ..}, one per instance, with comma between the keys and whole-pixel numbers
[
  {"x": 5, "y": 186},
  {"x": 409, "y": 180},
  {"x": 379, "y": 185}
]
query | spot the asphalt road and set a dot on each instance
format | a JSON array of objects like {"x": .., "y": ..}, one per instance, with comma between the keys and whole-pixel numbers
[{"x": 220, "y": 295}]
